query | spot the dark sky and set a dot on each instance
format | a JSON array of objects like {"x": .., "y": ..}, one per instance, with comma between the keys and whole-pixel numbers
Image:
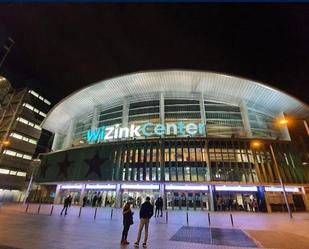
[{"x": 60, "y": 48}]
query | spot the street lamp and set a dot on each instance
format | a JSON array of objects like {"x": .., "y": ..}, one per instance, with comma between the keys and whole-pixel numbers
[{"x": 257, "y": 144}]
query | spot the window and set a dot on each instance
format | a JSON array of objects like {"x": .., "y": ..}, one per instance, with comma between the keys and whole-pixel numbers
[
  {"x": 12, "y": 172},
  {"x": 35, "y": 94},
  {"x": 30, "y": 107},
  {"x": 16, "y": 154},
  {"x": 20, "y": 137}
]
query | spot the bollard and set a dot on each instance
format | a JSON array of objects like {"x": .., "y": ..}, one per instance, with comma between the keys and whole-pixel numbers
[
  {"x": 187, "y": 219},
  {"x": 112, "y": 211},
  {"x": 166, "y": 217},
  {"x": 209, "y": 219},
  {"x": 232, "y": 221},
  {"x": 95, "y": 213},
  {"x": 39, "y": 208},
  {"x": 27, "y": 208},
  {"x": 80, "y": 211},
  {"x": 51, "y": 211}
]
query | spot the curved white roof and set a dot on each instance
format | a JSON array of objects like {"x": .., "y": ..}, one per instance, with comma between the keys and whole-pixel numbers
[{"x": 214, "y": 86}]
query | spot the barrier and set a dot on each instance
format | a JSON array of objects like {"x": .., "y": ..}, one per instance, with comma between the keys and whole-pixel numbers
[
  {"x": 166, "y": 217},
  {"x": 51, "y": 211},
  {"x": 232, "y": 221},
  {"x": 39, "y": 208},
  {"x": 209, "y": 223},
  {"x": 95, "y": 213},
  {"x": 27, "y": 208},
  {"x": 112, "y": 211},
  {"x": 187, "y": 218},
  {"x": 80, "y": 211}
]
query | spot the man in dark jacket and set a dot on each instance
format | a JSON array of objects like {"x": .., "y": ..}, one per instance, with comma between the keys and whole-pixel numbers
[
  {"x": 159, "y": 206},
  {"x": 146, "y": 212},
  {"x": 66, "y": 205}
]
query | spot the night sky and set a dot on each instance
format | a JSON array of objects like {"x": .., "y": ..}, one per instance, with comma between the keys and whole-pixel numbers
[{"x": 61, "y": 48}]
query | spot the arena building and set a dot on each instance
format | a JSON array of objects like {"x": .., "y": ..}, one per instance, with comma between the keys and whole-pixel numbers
[{"x": 201, "y": 140}]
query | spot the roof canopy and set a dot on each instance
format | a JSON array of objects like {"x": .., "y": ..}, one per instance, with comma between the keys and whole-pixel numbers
[{"x": 214, "y": 86}]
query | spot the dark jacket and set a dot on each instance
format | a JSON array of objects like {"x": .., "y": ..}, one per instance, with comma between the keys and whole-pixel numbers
[
  {"x": 128, "y": 218},
  {"x": 67, "y": 201},
  {"x": 146, "y": 211}
]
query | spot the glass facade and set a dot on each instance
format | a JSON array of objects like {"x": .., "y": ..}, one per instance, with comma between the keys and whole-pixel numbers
[{"x": 222, "y": 120}]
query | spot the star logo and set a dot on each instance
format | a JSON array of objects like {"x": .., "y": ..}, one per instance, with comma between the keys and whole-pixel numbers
[
  {"x": 95, "y": 164},
  {"x": 63, "y": 166},
  {"x": 44, "y": 168}
]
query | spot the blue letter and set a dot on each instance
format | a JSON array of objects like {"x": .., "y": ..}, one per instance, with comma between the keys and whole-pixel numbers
[
  {"x": 144, "y": 129},
  {"x": 93, "y": 135}
]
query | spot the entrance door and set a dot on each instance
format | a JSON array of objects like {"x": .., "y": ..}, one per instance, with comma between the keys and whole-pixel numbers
[
  {"x": 138, "y": 197},
  {"x": 187, "y": 200}
]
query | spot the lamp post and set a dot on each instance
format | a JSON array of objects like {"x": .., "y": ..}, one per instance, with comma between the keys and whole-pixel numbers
[{"x": 257, "y": 144}]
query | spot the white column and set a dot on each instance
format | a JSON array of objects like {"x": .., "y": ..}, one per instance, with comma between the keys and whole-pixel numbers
[
  {"x": 125, "y": 112},
  {"x": 162, "y": 194},
  {"x": 55, "y": 141},
  {"x": 57, "y": 195},
  {"x": 82, "y": 194},
  {"x": 202, "y": 110},
  {"x": 211, "y": 198},
  {"x": 118, "y": 199},
  {"x": 284, "y": 129},
  {"x": 162, "y": 112},
  {"x": 95, "y": 120},
  {"x": 245, "y": 118},
  {"x": 68, "y": 138}
]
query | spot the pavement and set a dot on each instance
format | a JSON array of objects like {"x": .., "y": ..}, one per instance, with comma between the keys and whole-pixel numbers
[{"x": 20, "y": 230}]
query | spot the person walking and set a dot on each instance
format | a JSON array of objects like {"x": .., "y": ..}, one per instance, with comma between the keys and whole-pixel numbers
[
  {"x": 159, "y": 206},
  {"x": 66, "y": 205},
  {"x": 127, "y": 222},
  {"x": 146, "y": 212},
  {"x": 85, "y": 201},
  {"x": 94, "y": 200}
]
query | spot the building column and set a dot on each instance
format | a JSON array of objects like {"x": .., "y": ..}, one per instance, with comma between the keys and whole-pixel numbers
[
  {"x": 211, "y": 198},
  {"x": 95, "y": 121},
  {"x": 68, "y": 138},
  {"x": 284, "y": 129},
  {"x": 57, "y": 195},
  {"x": 83, "y": 192},
  {"x": 125, "y": 112},
  {"x": 163, "y": 195},
  {"x": 245, "y": 118},
  {"x": 118, "y": 197},
  {"x": 203, "y": 113},
  {"x": 55, "y": 141},
  {"x": 162, "y": 111}
]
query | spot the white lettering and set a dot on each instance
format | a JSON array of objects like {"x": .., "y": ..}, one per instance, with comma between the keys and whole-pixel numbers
[
  {"x": 134, "y": 131},
  {"x": 124, "y": 130},
  {"x": 109, "y": 131}
]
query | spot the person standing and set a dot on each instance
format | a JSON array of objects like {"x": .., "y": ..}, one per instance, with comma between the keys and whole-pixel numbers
[
  {"x": 159, "y": 206},
  {"x": 66, "y": 205},
  {"x": 127, "y": 222},
  {"x": 94, "y": 200},
  {"x": 85, "y": 201},
  {"x": 146, "y": 212}
]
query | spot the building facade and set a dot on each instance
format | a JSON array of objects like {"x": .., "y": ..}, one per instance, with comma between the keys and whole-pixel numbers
[
  {"x": 21, "y": 114},
  {"x": 190, "y": 137}
]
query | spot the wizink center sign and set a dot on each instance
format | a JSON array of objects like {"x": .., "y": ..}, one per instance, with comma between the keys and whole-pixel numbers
[{"x": 146, "y": 130}]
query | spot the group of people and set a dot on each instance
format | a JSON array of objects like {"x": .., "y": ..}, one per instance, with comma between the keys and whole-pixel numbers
[
  {"x": 96, "y": 201},
  {"x": 145, "y": 214},
  {"x": 231, "y": 204}
]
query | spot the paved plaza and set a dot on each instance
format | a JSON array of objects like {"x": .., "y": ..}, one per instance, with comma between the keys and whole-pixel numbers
[{"x": 20, "y": 230}]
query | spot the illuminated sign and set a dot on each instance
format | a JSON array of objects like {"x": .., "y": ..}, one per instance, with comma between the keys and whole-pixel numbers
[
  {"x": 279, "y": 189},
  {"x": 186, "y": 187},
  {"x": 142, "y": 186},
  {"x": 146, "y": 130},
  {"x": 236, "y": 188}
]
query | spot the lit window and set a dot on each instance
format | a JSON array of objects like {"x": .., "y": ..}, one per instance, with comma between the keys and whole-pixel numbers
[
  {"x": 27, "y": 157},
  {"x": 12, "y": 172},
  {"x": 42, "y": 114},
  {"x": 21, "y": 173},
  {"x": 34, "y": 93},
  {"x": 4, "y": 171},
  {"x": 37, "y": 127},
  {"x": 47, "y": 102},
  {"x": 9, "y": 152}
]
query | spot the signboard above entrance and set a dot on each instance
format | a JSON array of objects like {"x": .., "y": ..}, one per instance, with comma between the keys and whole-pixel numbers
[{"x": 146, "y": 130}]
